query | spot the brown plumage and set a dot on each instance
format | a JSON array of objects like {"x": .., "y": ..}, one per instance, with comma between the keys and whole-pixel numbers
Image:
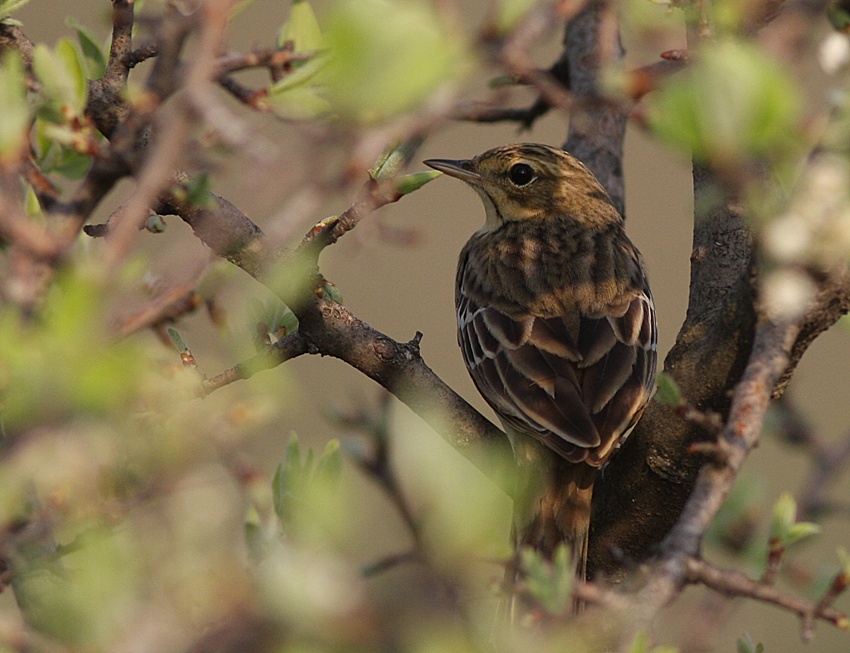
[{"x": 557, "y": 327}]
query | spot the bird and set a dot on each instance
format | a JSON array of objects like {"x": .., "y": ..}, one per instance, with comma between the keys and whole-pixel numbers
[{"x": 556, "y": 323}]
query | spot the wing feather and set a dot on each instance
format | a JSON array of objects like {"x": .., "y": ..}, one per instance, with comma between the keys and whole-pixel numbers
[{"x": 577, "y": 383}]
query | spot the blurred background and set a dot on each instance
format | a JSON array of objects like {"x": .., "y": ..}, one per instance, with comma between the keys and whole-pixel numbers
[{"x": 396, "y": 272}]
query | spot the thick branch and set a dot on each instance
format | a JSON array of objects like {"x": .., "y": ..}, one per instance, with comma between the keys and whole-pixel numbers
[
  {"x": 645, "y": 486},
  {"x": 598, "y": 127}
]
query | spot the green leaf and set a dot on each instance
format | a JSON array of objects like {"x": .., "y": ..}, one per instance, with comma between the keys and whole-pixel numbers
[
  {"x": 731, "y": 103},
  {"x": 409, "y": 183},
  {"x": 71, "y": 58},
  {"x": 13, "y": 107},
  {"x": 300, "y": 95},
  {"x": 304, "y": 493},
  {"x": 746, "y": 645},
  {"x": 31, "y": 203},
  {"x": 56, "y": 152},
  {"x": 396, "y": 158},
  {"x": 387, "y": 56},
  {"x": 179, "y": 344},
  {"x": 331, "y": 292},
  {"x": 93, "y": 53},
  {"x": 198, "y": 191},
  {"x": 784, "y": 527},
  {"x": 254, "y": 533},
  {"x": 9, "y": 6},
  {"x": 329, "y": 465},
  {"x": 92, "y": 379},
  {"x": 274, "y": 316},
  {"x": 302, "y": 28},
  {"x": 784, "y": 516},
  {"x": 61, "y": 72},
  {"x": 800, "y": 531},
  {"x": 300, "y": 77},
  {"x": 87, "y": 607},
  {"x": 668, "y": 393},
  {"x": 299, "y": 103},
  {"x": 550, "y": 582}
]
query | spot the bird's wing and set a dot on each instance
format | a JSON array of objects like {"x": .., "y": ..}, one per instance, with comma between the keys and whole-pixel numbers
[
  {"x": 575, "y": 383},
  {"x": 617, "y": 369}
]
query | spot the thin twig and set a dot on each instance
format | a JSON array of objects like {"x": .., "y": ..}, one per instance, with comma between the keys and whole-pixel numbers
[
  {"x": 734, "y": 583},
  {"x": 292, "y": 346}
]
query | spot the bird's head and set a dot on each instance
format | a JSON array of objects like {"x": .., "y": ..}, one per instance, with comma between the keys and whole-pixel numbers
[{"x": 530, "y": 181}]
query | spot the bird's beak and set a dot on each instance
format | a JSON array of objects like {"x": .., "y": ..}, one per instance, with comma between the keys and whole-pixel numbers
[{"x": 462, "y": 169}]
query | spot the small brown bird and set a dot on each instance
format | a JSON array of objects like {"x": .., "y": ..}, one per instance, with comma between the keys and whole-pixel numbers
[{"x": 556, "y": 323}]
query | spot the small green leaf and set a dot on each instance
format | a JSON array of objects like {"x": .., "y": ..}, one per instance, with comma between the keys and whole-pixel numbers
[
  {"x": 177, "y": 340},
  {"x": 746, "y": 645},
  {"x": 549, "y": 582},
  {"x": 13, "y": 106},
  {"x": 93, "y": 54},
  {"x": 668, "y": 393},
  {"x": 274, "y": 316},
  {"x": 254, "y": 533},
  {"x": 784, "y": 516},
  {"x": 396, "y": 158},
  {"x": 63, "y": 79},
  {"x": 302, "y": 28},
  {"x": 331, "y": 292},
  {"x": 288, "y": 476},
  {"x": 299, "y": 103},
  {"x": 300, "y": 77},
  {"x": 198, "y": 191},
  {"x": 56, "y": 151},
  {"x": 298, "y": 484},
  {"x": 32, "y": 205},
  {"x": 9, "y": 6},
  {"x": 329, "y": 465},
  {"x": 69, "y": 54},
  {"x": 800, "y": 531},
  {"x": 414, "y": 181}
]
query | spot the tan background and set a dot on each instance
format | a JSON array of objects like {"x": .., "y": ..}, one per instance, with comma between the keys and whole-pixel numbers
[{"x": 401, "y": 290}]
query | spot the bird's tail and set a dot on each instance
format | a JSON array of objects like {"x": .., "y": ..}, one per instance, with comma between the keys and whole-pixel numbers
[{"x": 558, "y": 513}]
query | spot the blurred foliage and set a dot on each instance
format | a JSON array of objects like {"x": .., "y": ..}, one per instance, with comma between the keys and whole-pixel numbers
[
  {"x": 7, "y": 7},
  {"x": 13, "y": 106},
  {"x": 94, "y": 55},
  {"x": 386, "y": 56},
  {"x": 549, "y": 582},
  {"x": 730, "y": 104},
  {"x": 746, "y": 645},
  {"x": 785, "y": 529}
]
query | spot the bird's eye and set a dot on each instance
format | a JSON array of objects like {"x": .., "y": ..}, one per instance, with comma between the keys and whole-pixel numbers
[{"x": 521, "y": 174}]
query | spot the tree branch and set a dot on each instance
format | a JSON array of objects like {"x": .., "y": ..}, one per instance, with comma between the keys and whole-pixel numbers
[{"x": 733, "y": 583}]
